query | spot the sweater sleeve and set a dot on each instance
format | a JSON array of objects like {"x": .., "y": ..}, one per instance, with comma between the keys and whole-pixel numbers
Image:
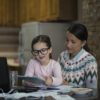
[
  {"x": 29, "y": 69},
  {"x": 91, "y": 73},
  {"x": 57, "y": 75}
]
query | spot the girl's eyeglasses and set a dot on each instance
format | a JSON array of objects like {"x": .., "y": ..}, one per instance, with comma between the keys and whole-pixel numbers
[{"x": 43, "y": 51}]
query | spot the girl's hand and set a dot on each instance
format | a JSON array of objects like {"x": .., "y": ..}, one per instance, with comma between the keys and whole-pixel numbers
[
  {"x": 48, "y": 81},
  {"x": 28, "y": 84}
]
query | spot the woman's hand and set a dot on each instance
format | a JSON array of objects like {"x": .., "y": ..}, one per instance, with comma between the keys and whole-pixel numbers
[
  {"x": 64, "y": 82},
  {"x": 48, "y": 81}
]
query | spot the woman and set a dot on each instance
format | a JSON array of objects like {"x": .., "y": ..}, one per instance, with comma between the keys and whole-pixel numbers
[
  {"x": 42, "y": 65},
  {"x": 79, "y": 66}
]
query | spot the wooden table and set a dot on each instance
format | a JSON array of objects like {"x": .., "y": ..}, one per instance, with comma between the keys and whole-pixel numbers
[{"x": 51, "y": 98}]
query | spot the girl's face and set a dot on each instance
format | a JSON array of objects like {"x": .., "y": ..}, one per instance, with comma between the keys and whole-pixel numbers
[
  {"x": 73, "y": 44},
  {"x": 42, "y": 52}
]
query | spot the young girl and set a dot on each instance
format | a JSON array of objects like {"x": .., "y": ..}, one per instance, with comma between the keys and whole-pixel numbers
[{"x": 42, "y": 65}]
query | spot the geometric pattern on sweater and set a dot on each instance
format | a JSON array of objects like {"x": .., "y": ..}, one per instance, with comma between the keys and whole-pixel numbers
[
  {"x": 79, "y": 71},
  {"x": 78, "y": 68},
  {"x": 92, "y": 74},
  {"x": 78, "y": 79}
]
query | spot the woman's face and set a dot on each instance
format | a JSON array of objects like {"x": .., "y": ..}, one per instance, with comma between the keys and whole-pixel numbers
[
  {"x": 41, "y": 52},
  {"x": 73, "y": 44}
]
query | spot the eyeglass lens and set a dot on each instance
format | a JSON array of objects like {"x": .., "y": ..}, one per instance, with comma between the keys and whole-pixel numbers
[{"x": 42, "y": 51}]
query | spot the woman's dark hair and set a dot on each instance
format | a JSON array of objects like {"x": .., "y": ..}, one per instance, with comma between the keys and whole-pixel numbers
[
  {"x": 81, "y": 32},
  {"x": 42, "y": 38}
]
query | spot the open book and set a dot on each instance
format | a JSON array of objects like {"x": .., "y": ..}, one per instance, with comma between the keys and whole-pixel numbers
[
  {"x": 38, "y": 83},
  {"x": 33, "y": 79}
]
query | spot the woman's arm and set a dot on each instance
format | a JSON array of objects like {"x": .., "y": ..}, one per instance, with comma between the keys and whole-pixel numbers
[{"x": 91, "y": 74}]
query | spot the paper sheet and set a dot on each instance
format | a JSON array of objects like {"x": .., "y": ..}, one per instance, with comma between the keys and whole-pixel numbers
[
  {"x": 53, "y": 93},
  {"x": 41, "y": 93}
]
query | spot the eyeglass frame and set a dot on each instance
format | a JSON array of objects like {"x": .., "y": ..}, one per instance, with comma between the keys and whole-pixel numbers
[{"x": 39, "y": 51}]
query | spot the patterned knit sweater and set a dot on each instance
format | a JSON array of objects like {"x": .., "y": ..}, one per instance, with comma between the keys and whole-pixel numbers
[{"x": 79, "y": 71}]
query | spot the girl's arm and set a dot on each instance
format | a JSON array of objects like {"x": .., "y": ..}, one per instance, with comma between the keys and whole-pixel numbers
[
  {"x": 29, "y": 72},
  {"x": 57, "y": 75},
  {"x": 29, "y": 69}
]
